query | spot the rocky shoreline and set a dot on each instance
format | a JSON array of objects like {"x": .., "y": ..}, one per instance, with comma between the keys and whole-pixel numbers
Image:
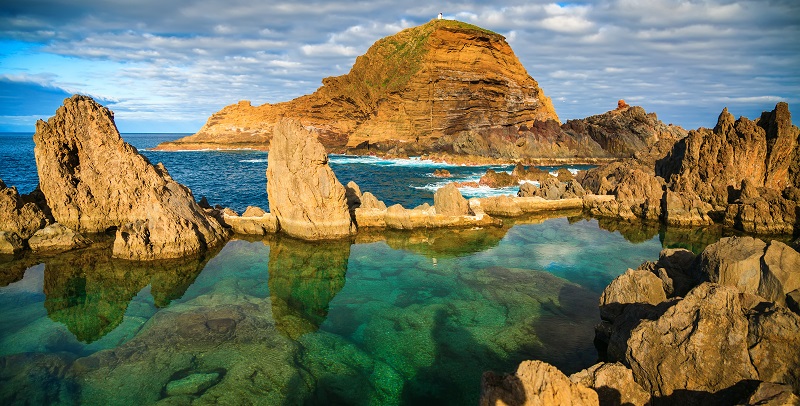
[{"x": 722, "y": 327}]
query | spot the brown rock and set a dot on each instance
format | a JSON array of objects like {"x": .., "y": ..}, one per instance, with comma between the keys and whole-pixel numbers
[
  {"x": 94, "y": 181},
  {"x": 10, "y": 243},
  {"x": 369, "y": 201},
  {"x": 534, "y": 383},
  {"x": 495, "y": 179},
  {"x": 254, "y": 221},
  {"x": 448, "y": 201},
  {"x": 56, "y": 237},
  {"x": 772, "y": 394},
  {"x": 698, "y": 345},
  {"x": 504, "y": 206},
  {"x": 773, "y": 340},
  {"x": 303, "y": 191},
  {"x": 352, "y": 193},
  {"x": 407, "y": 92},
  {"x": 253, "y": 211},
  {"x": 613, "y": 383},
  {"x": 780, "y": 272},
  {"x": 793, "y": 301},
  {"x": 18, "y": 216},
  {"x": 630, "y": 287},
  {"x": 442, "y": 173},
  {"x": 732, "y": 261}
]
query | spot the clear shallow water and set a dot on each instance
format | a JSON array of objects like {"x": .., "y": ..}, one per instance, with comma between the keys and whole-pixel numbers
[{"x": 387, "y": 318}]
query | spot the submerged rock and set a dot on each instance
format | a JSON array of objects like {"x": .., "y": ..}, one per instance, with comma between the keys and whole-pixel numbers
[
  {"x": 303, "y": 191},
  {"x": 94, "y": 181}
]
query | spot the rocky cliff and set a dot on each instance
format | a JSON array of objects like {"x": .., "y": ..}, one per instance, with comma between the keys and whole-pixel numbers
[
  {"x": 94, "y": 181},
  {"x": 443, "y": 86}
]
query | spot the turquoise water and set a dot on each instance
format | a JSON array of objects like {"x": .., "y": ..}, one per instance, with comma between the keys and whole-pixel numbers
[{"x": 389, "y": 317}]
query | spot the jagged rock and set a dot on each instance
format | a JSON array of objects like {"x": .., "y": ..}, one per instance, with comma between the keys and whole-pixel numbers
[
  {"x": 752, "y": 266},
  {"x": 496, "y": 179},
  {"x": 630, "y": 287},
  {"x": 534, "y": 383},
  {"x": 527, "y": 189},
  {"x": 772, "y": 394},
  {"x": 19, "y": 216},
  {"x": 674, "y": 268},
  {"x": 532, "y": 173},
  {"x": 762, "y": 211},
  {"x": 442, "y": 173},
  {"x": 613, "y": 383},
  {"x": 353, "y": 195},
  {"x": 10, "y": 243},
  {"x": 56, "y": 237},
  {"x": 698, "y": 345},
  {"x": 369, "y": 201},
  {"x": 564, "y": 175},
  {"x": 686, "y": 209},
  {"x": 448, "y": 201},
  {"x": 94, "y": 181},
  {"x": 303, "y": 191}
]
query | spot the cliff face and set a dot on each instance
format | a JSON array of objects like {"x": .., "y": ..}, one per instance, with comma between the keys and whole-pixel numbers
[{"x": 425, "y": 86}]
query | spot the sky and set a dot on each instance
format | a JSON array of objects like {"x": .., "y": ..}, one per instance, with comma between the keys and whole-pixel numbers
[{"x": 166, "y": 66}]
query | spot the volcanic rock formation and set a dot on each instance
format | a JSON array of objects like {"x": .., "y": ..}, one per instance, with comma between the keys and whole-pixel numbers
[
  {"x": 744, "y": 172},
  {"x": 303, "y": 191},
  {"x": 94, "y": 181},
  {"x": 20, "y": 218}
]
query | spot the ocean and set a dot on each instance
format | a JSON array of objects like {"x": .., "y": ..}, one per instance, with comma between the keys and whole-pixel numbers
[{"x": 388, "y": 317}]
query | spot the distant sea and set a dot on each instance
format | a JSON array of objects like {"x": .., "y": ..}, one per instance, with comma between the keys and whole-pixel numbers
[{"x": 237, "y": 179}]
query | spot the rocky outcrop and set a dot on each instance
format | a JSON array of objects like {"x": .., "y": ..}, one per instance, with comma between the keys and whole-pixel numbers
[
  {"x": 303, "y": 191},
  {"x": 19, "y": 215},
  {"x": 624, "y": 131},
  {"x": 752, "y": 266},
  {"x": 743, "y": 172},
  {"x": 613, "y": 383},
  {"x": 634, "y": 286},
  {"x": 406, "y": 94},
  {"x": 534, "y": 383},
  {"x": 10, "y": 243},
  {"x": 448, "y": 201},
  {"x": 552, "y": 189},
  {"x": 94, "y": 181}
]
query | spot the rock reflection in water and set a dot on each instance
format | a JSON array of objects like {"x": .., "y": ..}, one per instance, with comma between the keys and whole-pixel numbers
[
  {"x": 88, "y": 291},
  {"x": 303, "y": 278}
]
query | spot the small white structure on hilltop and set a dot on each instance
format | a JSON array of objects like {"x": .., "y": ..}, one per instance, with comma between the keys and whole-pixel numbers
[{"x": 440, "y": 16}]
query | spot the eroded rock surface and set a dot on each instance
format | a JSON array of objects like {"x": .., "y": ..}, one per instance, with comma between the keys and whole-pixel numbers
[
  {"x": 303, "y": 191},
  {"x": 19, "y": 214},
  {"x": 534, "y": 383},
  {"x": 94, "y": 181}
]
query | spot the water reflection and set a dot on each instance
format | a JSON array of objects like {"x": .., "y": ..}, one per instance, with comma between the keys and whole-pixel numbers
[
  {"x": 88, "y": 291},
  {"x": 303, "y": 278}
]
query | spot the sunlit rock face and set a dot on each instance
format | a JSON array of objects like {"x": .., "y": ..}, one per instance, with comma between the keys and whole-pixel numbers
[
  {"x": 303, "y": 191},
  {"x": 94, "y": 181}
]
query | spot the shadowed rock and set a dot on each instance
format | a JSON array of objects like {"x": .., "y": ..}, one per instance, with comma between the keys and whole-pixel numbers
[{"x": 534, "y": 383}]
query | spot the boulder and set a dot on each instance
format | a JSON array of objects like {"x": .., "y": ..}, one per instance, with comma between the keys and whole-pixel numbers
[
  {"x": 496, "y": 179},
  {"x": 527, "y": 189},
  {"x": 353, "y": 195},
  {"x": 631, "y": 287},
  {"x": 504, "y": 206},
  {"x": 732, "y": 261},
  {"x": 303, "y": 191},
  {"x": 613, "y": 383},
  {"x": 793, "y": 301},
  {"x": 442, "y": 173},
  {"x": 698, "y": 345},
  {"x": 10, "y": 243},
  {"x": 773, "y": 338},
  {"x": 56, "y": 237},
  {"x": 534, "y": 383},
  {"x": 369, "y": 201},
  {"x": 94, "y": 181},
  {"x": 448, "y": 201},
  {"x": 752, "y": 266},
  {"x": 19, "y": 216},
  {"x": 772, "y": 394},
  {"x": 673, "y": 268}
]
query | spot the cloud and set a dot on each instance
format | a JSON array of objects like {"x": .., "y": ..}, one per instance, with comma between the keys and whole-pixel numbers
[{"x": 186, "y": 59}]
